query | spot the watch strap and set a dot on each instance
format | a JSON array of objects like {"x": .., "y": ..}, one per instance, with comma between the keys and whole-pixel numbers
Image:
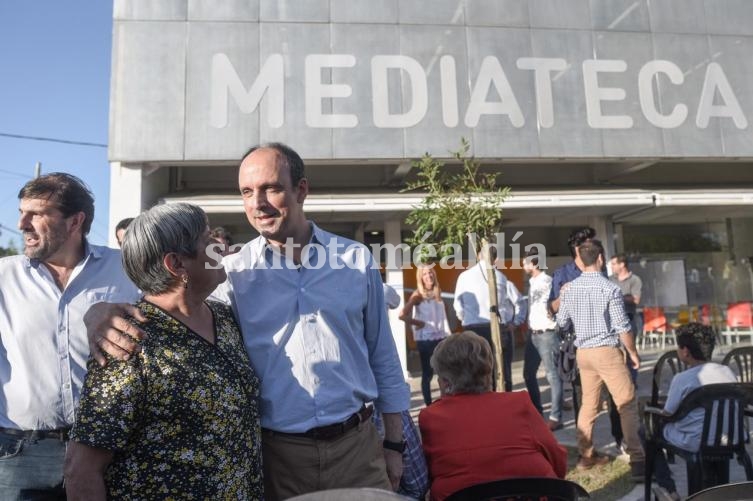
[{"x": 394, "y": 446}]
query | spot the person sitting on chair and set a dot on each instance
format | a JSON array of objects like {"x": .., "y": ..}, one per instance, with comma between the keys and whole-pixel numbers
[
  {"x": 472, "y": 435},
  {"x": 695, "y": 343}
]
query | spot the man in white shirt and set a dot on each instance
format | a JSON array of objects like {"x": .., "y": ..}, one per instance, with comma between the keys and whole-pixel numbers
[
  {"x": 471, "y": 306},
  {"x": 44, "y": 294},
  {"x": 542, "y": 343}
]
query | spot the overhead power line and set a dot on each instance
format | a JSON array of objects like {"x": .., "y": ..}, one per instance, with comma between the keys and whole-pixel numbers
[
  {"x": 25, "y": 176},
  {"x": 11, "y": 230},
  {"x": 52, "y": 140}
]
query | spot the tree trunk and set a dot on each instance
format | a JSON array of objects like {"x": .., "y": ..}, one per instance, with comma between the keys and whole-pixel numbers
[{"x": 491, "y": 282}]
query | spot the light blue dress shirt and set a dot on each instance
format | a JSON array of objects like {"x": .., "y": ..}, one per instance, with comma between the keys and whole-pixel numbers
[
  {"x": 44, "y": 349},
  {"x": 317, "y": 335}
]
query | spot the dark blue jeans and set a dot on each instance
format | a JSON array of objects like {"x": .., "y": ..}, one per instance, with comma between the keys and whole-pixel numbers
[
  {"x": 425, "y": 350},
  {"x": 31, "y": 469},
  {"x": 485, "y": 331},
  {"x": 543, "y": 347}
]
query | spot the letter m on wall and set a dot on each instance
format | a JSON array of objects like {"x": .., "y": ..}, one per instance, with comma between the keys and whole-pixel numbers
[{"x": 226, "y": 83}]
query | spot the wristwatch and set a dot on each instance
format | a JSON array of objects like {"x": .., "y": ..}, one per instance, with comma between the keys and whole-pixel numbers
[{"x": 394, "y": 446}]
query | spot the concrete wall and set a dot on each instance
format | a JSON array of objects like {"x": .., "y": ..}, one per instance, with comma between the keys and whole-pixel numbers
[{"x": 351, "y": 79}]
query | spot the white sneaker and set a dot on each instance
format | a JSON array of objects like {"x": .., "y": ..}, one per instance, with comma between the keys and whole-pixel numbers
[{"x": 663, "y": 494}]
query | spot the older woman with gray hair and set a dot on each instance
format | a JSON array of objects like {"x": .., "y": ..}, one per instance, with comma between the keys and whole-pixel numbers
[
  {"x": 472, "y": 435},
  {"x": 180, "y": 418}
]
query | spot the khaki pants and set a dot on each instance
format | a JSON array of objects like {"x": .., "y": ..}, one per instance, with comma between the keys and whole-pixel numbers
[
  {"x": 297, "y": 465},
  {"x": 607, "y": 366}
]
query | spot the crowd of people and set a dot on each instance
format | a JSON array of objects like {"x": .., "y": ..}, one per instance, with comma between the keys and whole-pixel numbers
[{"x": 156, "y": 372}]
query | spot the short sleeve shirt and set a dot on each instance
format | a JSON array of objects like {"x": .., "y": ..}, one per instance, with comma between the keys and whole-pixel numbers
[
  {"x": 686, "y": 433},
  {"x": 182, "y": 417},
  {"x": 631, "y": 286}
]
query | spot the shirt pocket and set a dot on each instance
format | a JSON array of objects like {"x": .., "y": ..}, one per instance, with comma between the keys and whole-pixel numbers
[{"x": 109, "y": 295}]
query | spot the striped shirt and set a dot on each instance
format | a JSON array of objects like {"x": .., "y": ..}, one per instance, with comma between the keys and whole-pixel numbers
[{"x": 593, "y": 305}]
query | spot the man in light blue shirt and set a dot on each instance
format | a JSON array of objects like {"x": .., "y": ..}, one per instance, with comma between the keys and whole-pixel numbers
[
  {"x": 311, "y": 308},
  {"x": 43, "y": 297}
]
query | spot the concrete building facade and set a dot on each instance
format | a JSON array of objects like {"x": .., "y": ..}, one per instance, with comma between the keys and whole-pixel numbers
[{"x": 632, "y": 116}]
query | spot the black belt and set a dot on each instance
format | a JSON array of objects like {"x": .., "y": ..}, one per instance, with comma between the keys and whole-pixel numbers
[
  {"x": 541, "y": 331},
  {"x": 61, "y": 434},
  {"x": 332, "y": 431},
  {"x": 470, "y": 327}
]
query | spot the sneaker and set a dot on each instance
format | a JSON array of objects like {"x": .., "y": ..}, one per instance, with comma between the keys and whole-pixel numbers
[
  {"x": 586, "y": 463},
  {"x": 637, "y": 471},
  {"x": 554, "y": 425},
  {"x": 663, "y": 494}
]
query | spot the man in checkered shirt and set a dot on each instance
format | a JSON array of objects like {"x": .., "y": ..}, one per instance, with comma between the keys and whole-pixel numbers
[{"x": 594, "y": 307}]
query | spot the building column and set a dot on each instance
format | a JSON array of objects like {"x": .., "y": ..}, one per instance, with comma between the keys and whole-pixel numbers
[
  {"x": 125, "y": 196},
  {"x": 394, "y": 277},
  {"x": 605, "y": 232}
]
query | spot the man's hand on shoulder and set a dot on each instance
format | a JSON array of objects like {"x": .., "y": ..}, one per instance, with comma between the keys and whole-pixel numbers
[{"x": 108, "y": 330}]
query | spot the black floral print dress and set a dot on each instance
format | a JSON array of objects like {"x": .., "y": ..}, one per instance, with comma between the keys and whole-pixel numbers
[{"x": 182, "y": 416}]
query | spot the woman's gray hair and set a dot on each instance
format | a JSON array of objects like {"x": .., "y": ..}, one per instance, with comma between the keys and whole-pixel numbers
[
  {"x": 154, "y": 234},
  {"x": 465, "y": 361}
]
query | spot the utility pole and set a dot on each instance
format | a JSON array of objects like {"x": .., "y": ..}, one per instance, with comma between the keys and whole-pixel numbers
[{"x": 38, "y": 170}]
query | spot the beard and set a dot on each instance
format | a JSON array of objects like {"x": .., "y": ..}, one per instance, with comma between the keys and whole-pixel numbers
[{"x": 48, "y": 244}]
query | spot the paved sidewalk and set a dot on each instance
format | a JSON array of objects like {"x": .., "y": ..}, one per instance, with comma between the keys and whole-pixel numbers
[{"x": 603, "y": 439}]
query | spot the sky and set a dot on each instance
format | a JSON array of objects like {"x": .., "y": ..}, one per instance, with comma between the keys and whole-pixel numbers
[{"x": 54, "y": 83}]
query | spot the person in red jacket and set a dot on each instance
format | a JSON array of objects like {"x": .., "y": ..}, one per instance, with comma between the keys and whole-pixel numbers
[{"x": 472, "y": 435}]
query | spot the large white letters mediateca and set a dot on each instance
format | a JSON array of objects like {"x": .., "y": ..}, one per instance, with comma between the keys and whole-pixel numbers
[{"x": 403, "y": 98}]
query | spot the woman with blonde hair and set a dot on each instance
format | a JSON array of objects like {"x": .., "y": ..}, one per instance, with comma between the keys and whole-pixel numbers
[
  {"x": 473, "y": 435},
  {"x": 425, "y": 313}
]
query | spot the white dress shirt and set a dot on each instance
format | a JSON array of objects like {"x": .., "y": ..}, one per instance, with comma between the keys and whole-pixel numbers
[
  {"x": 513, "y": 310},
  {"x": 44, "y": 346},
  {"x": 318, "y": 337},
  {"x": 471, "y": 301}
]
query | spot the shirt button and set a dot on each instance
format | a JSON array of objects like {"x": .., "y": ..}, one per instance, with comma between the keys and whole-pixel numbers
[
  {"x": 321, "y": 413},
  {"x": 303, "y": 289},
  {"x": 67, "y": 385}
]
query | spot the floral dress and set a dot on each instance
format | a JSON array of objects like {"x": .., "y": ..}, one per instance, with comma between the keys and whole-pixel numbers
[{"x": 182, "y": 417}]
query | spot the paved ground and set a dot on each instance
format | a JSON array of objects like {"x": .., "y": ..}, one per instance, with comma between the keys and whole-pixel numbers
[{"x": 602, "y": 436}]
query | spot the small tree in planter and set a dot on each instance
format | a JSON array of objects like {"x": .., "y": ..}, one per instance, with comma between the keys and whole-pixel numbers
[{"x": 457, "y": 207}]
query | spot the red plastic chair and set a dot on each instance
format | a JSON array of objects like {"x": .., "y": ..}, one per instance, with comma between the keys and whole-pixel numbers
[
  {"x": 654, "y": 325},
  {"x": 739, "y": 321},
  {"x": 710, "y": 315}
]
